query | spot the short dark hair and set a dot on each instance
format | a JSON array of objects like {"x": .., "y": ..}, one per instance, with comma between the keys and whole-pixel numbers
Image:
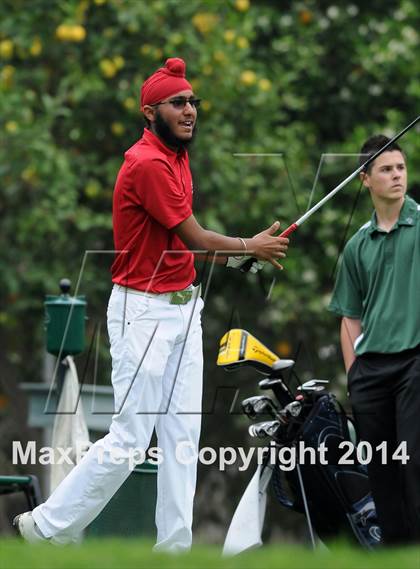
[{"x": 372, "y": 145}]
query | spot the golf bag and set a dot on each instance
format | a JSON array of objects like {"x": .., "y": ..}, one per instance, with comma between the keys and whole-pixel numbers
[
  {"x": 337, "y": 496},
  {"x": 330, "y": 488}
]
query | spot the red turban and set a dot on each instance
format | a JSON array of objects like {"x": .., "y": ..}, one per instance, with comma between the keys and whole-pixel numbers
[{"x": 165, "y": 82}]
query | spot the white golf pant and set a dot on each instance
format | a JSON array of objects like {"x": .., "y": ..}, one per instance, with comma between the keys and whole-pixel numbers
[{"x": 157, "y": 365}]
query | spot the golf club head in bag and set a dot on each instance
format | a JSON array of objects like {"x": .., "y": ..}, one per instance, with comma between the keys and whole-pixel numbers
[
  {"x": 314, "y": 385},
  {"x": 264, "y": 429},
  {"x": 291, "y": 411},
  {"x": 279, "y": 388},
  {"x": 259, "y": 405}
]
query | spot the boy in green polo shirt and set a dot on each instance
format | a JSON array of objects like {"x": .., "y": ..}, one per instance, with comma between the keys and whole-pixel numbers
[{"x": 377, "y": 293}]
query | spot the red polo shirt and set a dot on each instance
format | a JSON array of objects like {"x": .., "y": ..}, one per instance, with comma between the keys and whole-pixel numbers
[{"x": 153, "y": 194}]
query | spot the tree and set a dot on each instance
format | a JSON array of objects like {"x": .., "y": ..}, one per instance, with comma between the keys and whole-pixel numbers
[{"x": 291, "y": 79}]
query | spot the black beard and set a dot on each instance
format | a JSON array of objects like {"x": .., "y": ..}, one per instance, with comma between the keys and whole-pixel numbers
[{"x": 165, "y": 133}]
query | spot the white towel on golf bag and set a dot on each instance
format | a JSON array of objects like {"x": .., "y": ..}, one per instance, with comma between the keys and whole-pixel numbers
[
  {"x": 70, "y": 429},
  {"x": 247, "y": 523}
]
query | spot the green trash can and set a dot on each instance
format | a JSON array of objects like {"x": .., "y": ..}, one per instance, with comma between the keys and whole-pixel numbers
[
  {"x": 131, "y": 511},
  {"x": 65, "y": 318}
]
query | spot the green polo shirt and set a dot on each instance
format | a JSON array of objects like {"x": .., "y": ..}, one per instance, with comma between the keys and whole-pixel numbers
[{"x": 379, "y": 283}]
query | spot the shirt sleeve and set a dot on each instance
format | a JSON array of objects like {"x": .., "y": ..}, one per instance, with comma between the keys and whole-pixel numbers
[
  {"x": 347, "y": 296},
  {"x": 160, "y": 193}
]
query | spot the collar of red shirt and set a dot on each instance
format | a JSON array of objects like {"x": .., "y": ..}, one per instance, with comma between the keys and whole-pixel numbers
[{"x": 151, "y": 138}]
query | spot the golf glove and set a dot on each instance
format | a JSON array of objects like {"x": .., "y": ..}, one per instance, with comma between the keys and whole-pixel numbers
[{"x": 237, "y": 262}]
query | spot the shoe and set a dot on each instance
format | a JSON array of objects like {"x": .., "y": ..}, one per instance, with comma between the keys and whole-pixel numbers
[{"x": 26, "y": 527}]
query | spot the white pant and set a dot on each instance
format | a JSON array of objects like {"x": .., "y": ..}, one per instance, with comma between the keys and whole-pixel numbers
[{"x": 157, "y": 365}]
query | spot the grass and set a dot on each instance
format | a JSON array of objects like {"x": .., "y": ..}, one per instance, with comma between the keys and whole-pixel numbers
[{"x": 134, "y": 554}]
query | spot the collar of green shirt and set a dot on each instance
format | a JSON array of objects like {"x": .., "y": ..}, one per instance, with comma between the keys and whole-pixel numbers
[{"x": 408, "y": 215}]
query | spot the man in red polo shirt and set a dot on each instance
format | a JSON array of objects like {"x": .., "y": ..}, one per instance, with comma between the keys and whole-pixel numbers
[{"x": 154, "y": 325}]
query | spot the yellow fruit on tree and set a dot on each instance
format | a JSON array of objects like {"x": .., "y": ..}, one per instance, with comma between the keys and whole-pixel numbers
[
  {"x": 6, "y": 49},
  {"x": 117, "y": 128},
  {"x": 78, "y": 33},
  {"x": 36, "y": 47},
  {"x": 242, "y": 42},
  {"x": 248, "y": 77},
  {"x": 119, "y": 61},
  {"x": 229, "y": 36},
  {"x": 242, "y": 5},
  {"x": 205, "y": 21},
  {"x": 11, "y": 127},
  {"x": 264, "y": 84},
  {"x": 108, "y": 68},
  {"x": 130, "y": 103}
]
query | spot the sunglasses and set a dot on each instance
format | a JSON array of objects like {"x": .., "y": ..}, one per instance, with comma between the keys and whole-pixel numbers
[{"x": 180, "y": 102}]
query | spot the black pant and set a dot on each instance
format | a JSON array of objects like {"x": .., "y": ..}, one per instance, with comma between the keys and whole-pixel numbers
[{"x": 385, "y": 396}]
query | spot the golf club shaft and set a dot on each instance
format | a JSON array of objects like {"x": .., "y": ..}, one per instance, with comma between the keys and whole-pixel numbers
[{"x": 246, "y": 266}]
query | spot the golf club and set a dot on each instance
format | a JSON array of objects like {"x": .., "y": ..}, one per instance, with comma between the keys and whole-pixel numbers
[
  {"x": 259, "y": 404},
  {"x": 247, "y": 265},
  {"x": 313, "y": 385},
  {"x": 264, "y": 429},
  {"x": 292, "y": 410},
  {"x": 279, "y": 388}
]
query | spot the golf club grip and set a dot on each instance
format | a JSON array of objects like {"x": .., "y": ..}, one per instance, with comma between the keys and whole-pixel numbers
[
  {"x": 246, "y": 266},
  {"x": 289, "y": 230}
]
